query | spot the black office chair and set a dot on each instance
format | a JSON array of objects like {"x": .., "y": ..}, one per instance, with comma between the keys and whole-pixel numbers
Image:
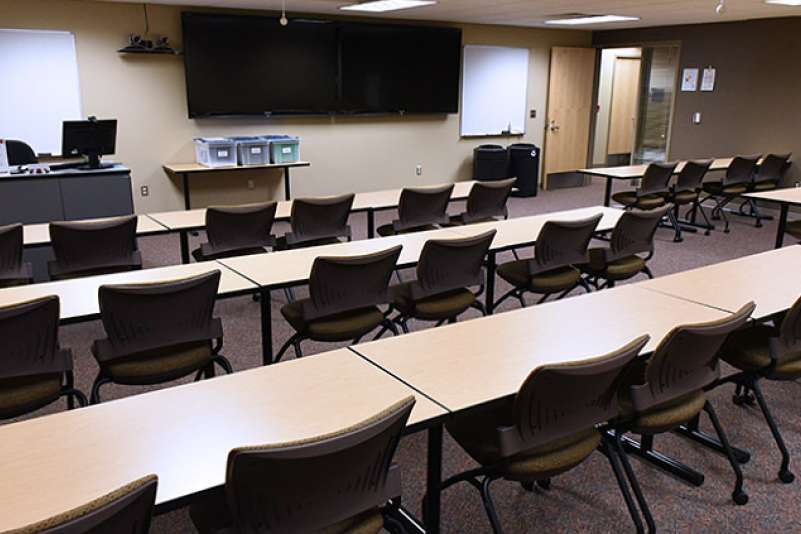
[
  {"x": 486, "y": 202},
  {"x": 13, "y": 271},
  {"x": 769, "y": 175},
  {"x": 318, "y": 221},
  {"x": 420, "y": 209},
  {"x": 738, "y": 180},
  {"x": 237, "y": 231},
  {"x": 653, "y": 190},
  {"x": 687, "y": 192},
  {"x": 20, "y": 153}
]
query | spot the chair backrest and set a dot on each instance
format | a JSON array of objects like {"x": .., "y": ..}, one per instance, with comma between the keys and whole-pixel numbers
[
  {"x": 338, "y": 284},
  {"x": 20, "y": 153},
  {"x": 306, "y": 486},
  {"x": 634, "y": 232},
  {"x": 787, "y": 346},
  {"x": 686, "y": 360},
  {"x": 319, "y": 218},
  {"x": 557, "y": 401},
  {"x": 423, "y": 206},
  {"x": 656, "y": 178},
  {"x": 238, "y": 227},
  {"x": 563, "y": 243},
  {"x": 10, "y": 249},
  {"x": 773, "y": 168},
  {"x": 86, "y": 245},
  {"x": 127, "y": 510},
  {"x": 741, "y": 169},
  {"x": 488, "y": 199},
  {"x": 29, "y": 331},
  {"x": 141, "y": 317},
  {"x": 448, "y": 264},
  {"x": 692, "y": 175}
]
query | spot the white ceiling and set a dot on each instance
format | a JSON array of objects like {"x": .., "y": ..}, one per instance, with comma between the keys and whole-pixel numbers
[{"x": 533, "y": 12}]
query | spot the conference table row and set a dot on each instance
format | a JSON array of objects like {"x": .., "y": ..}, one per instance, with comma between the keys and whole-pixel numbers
[{"x": 54, "y": 463}]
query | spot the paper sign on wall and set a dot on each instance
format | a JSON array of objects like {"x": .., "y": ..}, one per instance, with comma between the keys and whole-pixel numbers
[
  {"x": 3, "y": 156},
  {"x": 708, "y": 79},
  {"x": 689, "y": 80}
]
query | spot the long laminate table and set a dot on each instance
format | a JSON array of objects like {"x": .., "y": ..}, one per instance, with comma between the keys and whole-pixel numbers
[
  {"x": 785, "y": 198},
  {"x": 184, "y": 221},
  {"x": 770, "y": 279},
  {"x": 36, "y": 235},
  {"x": 183, "y": 434}
]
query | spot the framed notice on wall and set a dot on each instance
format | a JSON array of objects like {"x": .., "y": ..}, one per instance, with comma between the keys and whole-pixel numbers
[
  {"x": 708, "y": 79},
  {"x": 689, "y": 80}
]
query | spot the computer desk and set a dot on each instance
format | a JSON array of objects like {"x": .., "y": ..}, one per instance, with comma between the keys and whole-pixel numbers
[
  {"x": 185, "y": 221},
  {"x": 183, "y": 434},
  {"x": 785, "y": 198}
]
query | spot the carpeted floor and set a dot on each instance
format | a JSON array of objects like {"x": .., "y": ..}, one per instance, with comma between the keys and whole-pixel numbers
[{"x": 586, "y": 498}]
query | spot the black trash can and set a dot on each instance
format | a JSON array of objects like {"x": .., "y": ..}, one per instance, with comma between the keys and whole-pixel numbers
[
  {"x": 490, "y": 162},
  {"x": 524, "y": 164}
]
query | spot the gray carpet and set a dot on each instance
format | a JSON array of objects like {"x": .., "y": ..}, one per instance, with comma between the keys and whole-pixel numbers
[{"x": 587, "y": 498}]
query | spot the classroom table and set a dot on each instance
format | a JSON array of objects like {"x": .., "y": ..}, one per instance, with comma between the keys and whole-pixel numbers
[
  {"x": 35, "y": 235},
  {"x": 184, "y": 221},
  {"x": 635, "y": 172},
  {"x": 183, "y": 434},
  {"x": 78, "y": 296},
  {"x": 770, "y": 279},
  {"x": 187, "y": 170},
  {"x": 785, "y": 198}
]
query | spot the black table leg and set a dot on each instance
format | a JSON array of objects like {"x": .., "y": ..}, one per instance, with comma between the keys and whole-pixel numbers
[
  {"x": 434, "y": 480},
  {"x": 184, "y": 238},
  {"x": 782, "y": 225},
  {"x": 370, "y": 223},
  {"x": 187, "y": 202},
  {"x": 266, "y": 327},
  {"x": 608, "y": 192},
  {"x": 489, "y": 300},
  {"x": 287, "y": 195}
]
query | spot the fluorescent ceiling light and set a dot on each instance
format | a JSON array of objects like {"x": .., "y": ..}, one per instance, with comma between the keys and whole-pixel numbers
[
  {"x": 784, "y": 2},
  {"x": 592, "y": 19},
  {"x": 380, "y": 6}
]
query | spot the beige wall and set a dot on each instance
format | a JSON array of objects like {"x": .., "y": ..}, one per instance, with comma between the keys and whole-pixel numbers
[{"x": 147, "y": 96}]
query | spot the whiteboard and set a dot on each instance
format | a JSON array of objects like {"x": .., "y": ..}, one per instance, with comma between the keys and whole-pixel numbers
[
  {"x": 494, "y": 90},
  {"x": 39, "y": 88}
]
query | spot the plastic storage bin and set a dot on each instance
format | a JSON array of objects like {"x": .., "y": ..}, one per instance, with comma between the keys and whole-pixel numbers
[
  {"x": 283, "y": 148},
  {"x": 252, "y": 150},
  {"x": 215, "y": 151}
]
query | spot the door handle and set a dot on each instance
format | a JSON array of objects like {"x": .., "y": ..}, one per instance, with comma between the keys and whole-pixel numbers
[{"x": 552, "y": 126}]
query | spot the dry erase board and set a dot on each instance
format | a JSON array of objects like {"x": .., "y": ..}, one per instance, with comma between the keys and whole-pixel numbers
[
  {"x": 39, "y": 88},
  {"x": 494, "y": 90}
]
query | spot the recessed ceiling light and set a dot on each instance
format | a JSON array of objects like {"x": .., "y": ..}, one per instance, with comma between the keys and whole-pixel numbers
[
  {"x": 592, "y": 19},
  {"x": 380, "y": 6},
  {"x": 784, "y": 2}
]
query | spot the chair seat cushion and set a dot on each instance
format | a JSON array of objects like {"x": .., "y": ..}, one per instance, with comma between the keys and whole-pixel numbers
[
  {"x": 663, "y": 417},
  {"x": 435, "y": 307},
  {"x": 627, "y": 198},
  {"x": 387, "y": 229},
  {"x": 459, "y": 220},
  {"x": 684, "y": 197},
  {"x": 199, "y": 256},
  {"x": 794, "y": 229},
  {"x": 630, "y": 199},
  {"x": 339, "y": 327},
  {"x": 561, "y": 279},
  {"x": 161, "y": 365},
  {"x": 281, "y": 243},
  {"x": 765, "y": 185},
  {"x": 717, "y": 188},
  {"x": 24, "y": 394},
  {"x": 748, "y": 350},
  {"x": 619, "y": 269}
]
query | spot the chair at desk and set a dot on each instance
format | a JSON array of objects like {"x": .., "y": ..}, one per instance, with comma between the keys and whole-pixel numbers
[
  {"x": 20, "y": 153},
  {"x": 92, "y": 248},
  {"x": 739, "y": 178},
  {"x": 548, "y": 428},
  {"x": 158, "y": 332},
  {"x": 344, "y": 295},
  {"x": 318, "y": 221},
  {"x": 446, "y": 270},
  {"x": 653, "y": 188},
  {"x": 13, "y": 271},
  {"x": 769, "y": 353},
  {"x": 128, "y": 509},
  {"x": 486, "y": 202},
  {"x": 420, "y": 209},
  {"x": 237, "y": 231},
  {"x": 632, "y": 236},
  {"x": 337, "y": 483},
  {"x": 667, "y": 390},
  {"x": 687, "y": 192},
  {"x": 34, "y": 371},
  {"x": 769, "y": 175},
  {"x": 560, "y": 247}
]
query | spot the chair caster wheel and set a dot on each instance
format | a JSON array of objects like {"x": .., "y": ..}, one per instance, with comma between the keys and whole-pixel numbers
[
  {"x": 739, "y": 497},
  {"x": 528, "y": 486},
  {"x": 786, "y": 476},
  {"x": 544, "y": 484},
  {"x": 678, "y": 239},
  {"x": 256, "y": 297},
  {"x": 726, "y": 231},
  {"x": 707, "y": 232}
]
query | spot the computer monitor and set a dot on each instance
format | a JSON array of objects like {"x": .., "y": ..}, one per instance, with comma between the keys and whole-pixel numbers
[{"x": 91, "y": 138}]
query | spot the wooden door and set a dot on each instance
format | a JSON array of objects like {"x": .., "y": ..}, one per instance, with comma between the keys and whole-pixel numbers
[
  {"x": 567, "y": 129},
  {"x": 623, "y": 111}
]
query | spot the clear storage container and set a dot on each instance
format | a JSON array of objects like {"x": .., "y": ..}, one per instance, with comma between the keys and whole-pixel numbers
[
  {"x": 215, "y": 151},
  {"x": 252, "y": 150},
  {"x": 283, "y": 148}
]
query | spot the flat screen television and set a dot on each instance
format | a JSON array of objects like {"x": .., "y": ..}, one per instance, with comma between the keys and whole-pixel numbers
[{"x": 251, "y": 65}]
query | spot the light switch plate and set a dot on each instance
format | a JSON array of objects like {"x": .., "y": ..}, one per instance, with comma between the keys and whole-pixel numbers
[{"x": 696, "y": 117}]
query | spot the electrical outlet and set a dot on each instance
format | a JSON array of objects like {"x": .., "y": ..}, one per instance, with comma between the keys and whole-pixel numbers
[
  {"x": 532, "y": 114},
  {"x": 251, "y": 184},
  {"x": 418, "y": 170},
  {"x": 144, "y": 191}
]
